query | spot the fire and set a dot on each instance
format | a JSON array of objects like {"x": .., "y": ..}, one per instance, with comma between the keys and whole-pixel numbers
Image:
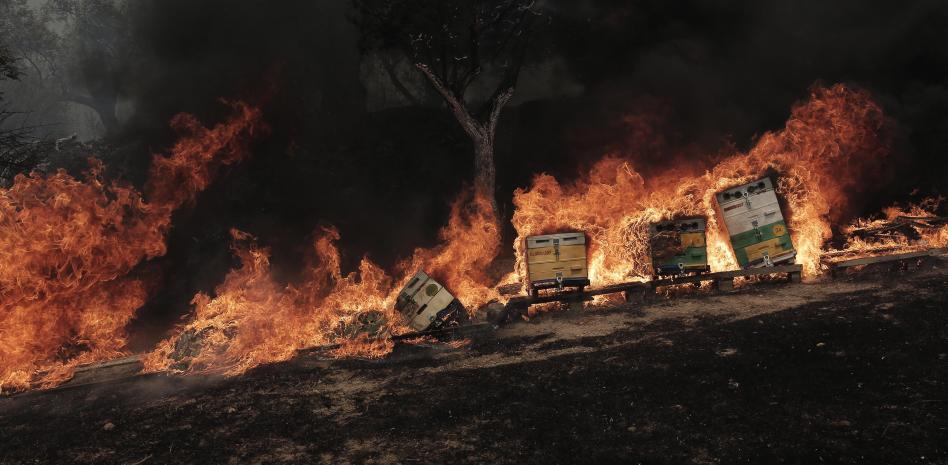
[
  {"x": 469, "y": 243},
  {"x": 901, "y": 229},
  {"x": 931, "y": 233},
  {"x": 253, "y": 320},
  {"x": 69, "y": 291},
  {"x": 69, "y": 247},
  {"x": 830, "y": 144}
]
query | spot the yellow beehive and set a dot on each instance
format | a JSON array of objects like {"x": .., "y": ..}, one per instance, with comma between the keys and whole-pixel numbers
[{"x": 557, "y": 260}]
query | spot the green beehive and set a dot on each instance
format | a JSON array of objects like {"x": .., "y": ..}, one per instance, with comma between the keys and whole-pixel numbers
[
  {"x": 755, "y": 224},
  {"x": 679, "y": 246}
]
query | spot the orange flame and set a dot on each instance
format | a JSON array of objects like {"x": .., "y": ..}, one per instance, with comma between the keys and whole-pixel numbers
[
  {"x": 820, "y": 156},
  {"x": 469, "y": 244},
  {"x": 829, "y": 148},
  {"x": 829, "y": 143},
  {"x": 920, "y": 218},
  {"x": 68, "y": 248},
  {"x": 252, "y": 320}
]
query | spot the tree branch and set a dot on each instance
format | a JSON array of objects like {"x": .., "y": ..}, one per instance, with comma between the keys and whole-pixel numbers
[
  {"x": 471, "y": 126},
  {"x": 497, "y": 105}
]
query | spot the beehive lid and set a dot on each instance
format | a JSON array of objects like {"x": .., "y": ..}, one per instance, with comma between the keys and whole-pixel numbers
[
  {"x": 687, "y": 224},
  {"x": 739, "y": 192},
  {"x": 568, "y": 238}
]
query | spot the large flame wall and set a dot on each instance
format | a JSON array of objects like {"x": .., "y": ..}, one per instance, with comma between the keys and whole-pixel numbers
[
  {"x": 828, "y": 147},
  {"x": 253, "y": 320},
  {"x": 68, "y": 248}
]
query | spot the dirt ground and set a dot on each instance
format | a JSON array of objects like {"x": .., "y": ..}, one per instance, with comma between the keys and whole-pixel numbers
[{"x": 849, "y": 371}]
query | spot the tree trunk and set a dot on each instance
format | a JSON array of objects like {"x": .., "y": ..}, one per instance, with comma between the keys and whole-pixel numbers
[
  {"x": 481, "y": 133},
  {"x": 485, "y": 173}
]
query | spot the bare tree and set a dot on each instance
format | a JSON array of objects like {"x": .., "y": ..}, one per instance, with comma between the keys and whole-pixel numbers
[{"x": 455, "y": 43}]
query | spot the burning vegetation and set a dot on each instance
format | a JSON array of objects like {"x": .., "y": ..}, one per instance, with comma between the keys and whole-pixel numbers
[
  {"x": 837, "y": 127},
  {"x": 70, "y": 290},
  {"x": 69, "y": 249},
  {"x": 898, "y": 230},
  {"x": 253, "y": 320}
]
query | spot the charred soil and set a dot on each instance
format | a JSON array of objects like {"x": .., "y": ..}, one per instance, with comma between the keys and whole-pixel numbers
[{"x": 836, "y": 372}]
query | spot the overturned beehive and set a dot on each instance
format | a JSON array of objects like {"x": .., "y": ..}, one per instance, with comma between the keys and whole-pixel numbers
[
  {"x": 755, "y": 224},
  {"x": 428, "y": 305},
  {"x": 679, "y": 246}
]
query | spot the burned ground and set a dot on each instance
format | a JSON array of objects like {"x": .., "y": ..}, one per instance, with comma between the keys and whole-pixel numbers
[{"x": 838, "y": 372}]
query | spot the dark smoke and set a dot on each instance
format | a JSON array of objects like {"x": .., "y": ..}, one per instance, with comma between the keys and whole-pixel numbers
[
  {"x": 705, "y": 73},
  {"x": 661, "y": 82}
]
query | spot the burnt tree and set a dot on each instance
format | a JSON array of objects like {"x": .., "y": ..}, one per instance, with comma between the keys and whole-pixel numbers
[{"x": 455, "y": 43}]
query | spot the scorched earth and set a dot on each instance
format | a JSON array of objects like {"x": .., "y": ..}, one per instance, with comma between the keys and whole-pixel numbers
[{"x": 845, "y": 371}]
